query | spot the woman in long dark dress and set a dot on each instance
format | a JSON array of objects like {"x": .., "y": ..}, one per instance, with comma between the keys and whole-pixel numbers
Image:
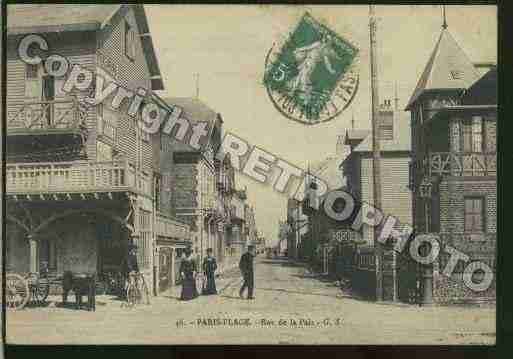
[
  {"x": 209, "y": 269},
  {"x": 188, "y": 272}
]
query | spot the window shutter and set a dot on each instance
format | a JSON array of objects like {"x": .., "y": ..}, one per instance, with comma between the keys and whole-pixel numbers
[
  {"x": 48, "y": 88},
  {"x": 129, "y": 41},
  {"x": 32, "y": 83},
  {"x": 467, "y": 136}
]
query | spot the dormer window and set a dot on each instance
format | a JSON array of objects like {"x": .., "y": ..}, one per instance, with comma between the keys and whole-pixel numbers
[
  {"x": 456, "y": 74},
  {"x": 129, "y": 41}
]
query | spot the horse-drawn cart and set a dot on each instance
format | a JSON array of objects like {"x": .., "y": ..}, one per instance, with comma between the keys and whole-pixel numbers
[{"x": 23, "y": 289}]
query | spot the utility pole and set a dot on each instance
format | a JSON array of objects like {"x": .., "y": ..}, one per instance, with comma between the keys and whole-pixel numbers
[
  {"x": 444, "y": 24},
  {"x": 196, "y": 79},
  {"x": 396, "y": 98},
  {"x": 376, "y": 155}
]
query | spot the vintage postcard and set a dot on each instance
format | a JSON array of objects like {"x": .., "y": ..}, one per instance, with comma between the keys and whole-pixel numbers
[{"x": 250, "y": 174}]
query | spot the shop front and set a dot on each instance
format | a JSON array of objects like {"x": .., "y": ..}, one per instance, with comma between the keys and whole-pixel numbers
[{"x": 172, "y": 239}]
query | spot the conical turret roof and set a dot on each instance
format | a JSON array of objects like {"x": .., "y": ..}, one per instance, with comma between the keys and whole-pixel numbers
[{"x": 448, "y": 68}]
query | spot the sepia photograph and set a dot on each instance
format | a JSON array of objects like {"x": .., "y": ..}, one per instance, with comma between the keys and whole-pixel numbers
[{"x": 249, "y": 174}]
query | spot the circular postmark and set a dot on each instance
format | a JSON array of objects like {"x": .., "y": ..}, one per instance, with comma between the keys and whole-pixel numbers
[{"x": 313, "y": 75}]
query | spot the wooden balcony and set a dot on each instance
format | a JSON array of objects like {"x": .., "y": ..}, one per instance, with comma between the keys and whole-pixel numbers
[
  {"x": 78, "y": 177},
  {"x": 461, "y": 164},
  {"x": 45, "y": 117}
]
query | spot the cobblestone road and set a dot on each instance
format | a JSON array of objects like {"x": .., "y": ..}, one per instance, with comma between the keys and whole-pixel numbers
[{"x": 291, "y": 307}]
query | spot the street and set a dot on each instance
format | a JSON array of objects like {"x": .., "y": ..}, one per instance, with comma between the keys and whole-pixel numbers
[{"x": 292, "y": 306}]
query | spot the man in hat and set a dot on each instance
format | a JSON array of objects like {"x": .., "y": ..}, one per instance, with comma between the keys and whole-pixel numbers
[
  {"x": 209, "y": 269},
  {"x": 246, "y": 268},
  {"x": 130, "y": 264}
]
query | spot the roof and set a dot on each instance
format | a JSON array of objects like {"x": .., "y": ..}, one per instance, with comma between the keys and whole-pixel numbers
[
  {"x": 448, "y": 68},
  {"x": 483, "y": 91},
  {"x": 328, "y": 171},
  {"x": 195, "y": 111},
  {"x": 355, "y": 135},
  {"x": 25, "y": 16},
  {"x": 480, "y": 98},
  {"x": 36, "y": 18}
]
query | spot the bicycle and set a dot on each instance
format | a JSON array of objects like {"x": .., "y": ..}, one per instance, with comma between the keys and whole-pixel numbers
[{"x": 137, "y": 290}]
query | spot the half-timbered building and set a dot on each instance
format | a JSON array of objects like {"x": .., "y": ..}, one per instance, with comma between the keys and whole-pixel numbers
[{"x": 454, "y": 128}]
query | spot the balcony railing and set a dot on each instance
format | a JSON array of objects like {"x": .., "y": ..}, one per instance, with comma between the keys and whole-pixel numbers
[
  {"x": 462, "y": 164},
  {"x": 75, "y": 177},
  {"x": 44, "y": 116}
]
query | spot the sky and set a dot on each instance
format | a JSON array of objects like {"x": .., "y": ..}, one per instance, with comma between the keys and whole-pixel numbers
[{"x": 227, "y": 45}]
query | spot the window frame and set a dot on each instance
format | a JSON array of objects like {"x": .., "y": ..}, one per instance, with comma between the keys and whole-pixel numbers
[
  {"x": 129, "y": 41},
  {"x": 35, "y": 81},
  {"x": 467, "y": 129},
  {"x": 158, "y": 191},
  {"x": 104, "y": 121},
  {"x": 100, "y": 143},
  {"x": 482, "y": 214}
]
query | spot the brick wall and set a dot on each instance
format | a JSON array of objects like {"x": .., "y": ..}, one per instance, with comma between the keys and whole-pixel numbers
[
  {"x": 452, "y": 193},
  {"x": 480, "y": 247}
]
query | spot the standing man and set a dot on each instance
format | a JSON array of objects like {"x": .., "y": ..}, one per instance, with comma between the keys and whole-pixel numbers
[
  {"x": 129, "y": 266},
  {"x": 209, "y": 271},
  {"x": 246, "y": 268}
]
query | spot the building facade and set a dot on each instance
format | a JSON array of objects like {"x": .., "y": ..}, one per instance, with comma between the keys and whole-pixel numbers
[
  {"x": 297, "y": 227},
  {"x": 237, "y": 241},
  {"x": 195, "y": 175},
  {"x": 396, "y": 197}
]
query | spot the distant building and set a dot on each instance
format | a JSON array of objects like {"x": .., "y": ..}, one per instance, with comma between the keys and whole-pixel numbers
[
  {"x": 198, "y": 180},
  {"x": 297, "y": 227},
  {"x": 357, "y": 167},
  {"x": 237, "y": 238}
]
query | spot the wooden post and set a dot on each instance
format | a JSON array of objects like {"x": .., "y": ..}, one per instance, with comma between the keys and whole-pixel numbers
[
  {"x": 376, "y": 155},
  {"x": 33, "y": 254},
  {"x": 173, "y": 255}
]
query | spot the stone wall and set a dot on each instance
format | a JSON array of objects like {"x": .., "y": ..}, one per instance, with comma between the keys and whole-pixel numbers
[{"x": 454, "y": 290}]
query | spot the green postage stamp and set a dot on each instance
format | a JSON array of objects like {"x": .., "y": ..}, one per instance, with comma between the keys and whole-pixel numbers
[{"x": 313, "y": 76}]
